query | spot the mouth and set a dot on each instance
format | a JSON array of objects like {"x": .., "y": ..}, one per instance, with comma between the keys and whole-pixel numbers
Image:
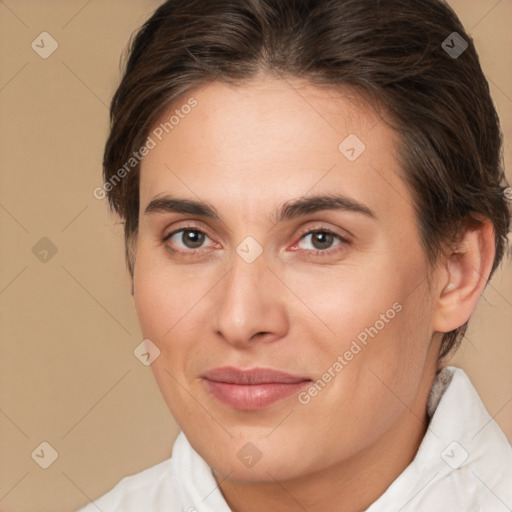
[{"x": 252, "y": 389}]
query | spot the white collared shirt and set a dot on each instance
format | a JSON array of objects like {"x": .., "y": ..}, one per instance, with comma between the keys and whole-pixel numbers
[{"x": 463, "y": 464}]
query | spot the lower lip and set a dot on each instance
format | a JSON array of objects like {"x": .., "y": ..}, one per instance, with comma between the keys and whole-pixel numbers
[{"x": 255, "y": 396}]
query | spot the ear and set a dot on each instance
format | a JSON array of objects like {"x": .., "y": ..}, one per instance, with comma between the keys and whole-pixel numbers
[{"x": 463, "y": 275}]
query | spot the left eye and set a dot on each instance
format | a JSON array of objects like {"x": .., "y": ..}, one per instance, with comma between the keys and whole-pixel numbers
[{"x": 322, "y": 239}]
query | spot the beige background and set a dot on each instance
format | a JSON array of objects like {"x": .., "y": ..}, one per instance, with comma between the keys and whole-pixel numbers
[{"x": 68, "y": 375}]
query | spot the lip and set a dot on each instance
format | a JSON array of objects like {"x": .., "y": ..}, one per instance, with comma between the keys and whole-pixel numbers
[{"x": 252, "y": 389}]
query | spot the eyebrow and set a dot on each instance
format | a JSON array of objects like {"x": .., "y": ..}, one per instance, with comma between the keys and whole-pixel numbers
[{"x": 289, "y": 210}]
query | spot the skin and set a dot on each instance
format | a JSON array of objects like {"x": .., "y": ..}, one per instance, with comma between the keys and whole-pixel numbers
[{"x": 246, "y": 150}]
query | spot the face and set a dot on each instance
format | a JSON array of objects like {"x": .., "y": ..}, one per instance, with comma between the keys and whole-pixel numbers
[{"x": 286, "y": 326}]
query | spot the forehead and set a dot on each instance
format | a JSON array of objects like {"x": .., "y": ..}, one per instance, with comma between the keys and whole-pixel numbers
[
  {"x": 266, "y": 111},
  {"x": 270, "y": 139}
]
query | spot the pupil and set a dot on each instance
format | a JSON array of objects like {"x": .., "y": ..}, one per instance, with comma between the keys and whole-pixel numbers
[
  {"x": 325, "y": 243},
  {"x": 192, "y": 239}
]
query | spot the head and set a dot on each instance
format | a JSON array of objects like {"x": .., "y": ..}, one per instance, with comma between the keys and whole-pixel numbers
[{"x": 341, "y": 176}]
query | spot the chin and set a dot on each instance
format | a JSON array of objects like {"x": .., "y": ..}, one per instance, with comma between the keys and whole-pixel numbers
[
  {"x": 253, "y": 459},
  {"x": 262, "y": 471}
]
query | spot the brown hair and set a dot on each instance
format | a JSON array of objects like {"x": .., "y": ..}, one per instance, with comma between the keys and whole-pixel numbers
[{"x": 396, "y": 53}]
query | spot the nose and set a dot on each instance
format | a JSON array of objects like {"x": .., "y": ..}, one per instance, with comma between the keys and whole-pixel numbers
[{"x": 249, "y": 306}]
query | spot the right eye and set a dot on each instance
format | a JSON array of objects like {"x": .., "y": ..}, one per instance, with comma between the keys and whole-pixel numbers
[{"x": 188, "y": 240}]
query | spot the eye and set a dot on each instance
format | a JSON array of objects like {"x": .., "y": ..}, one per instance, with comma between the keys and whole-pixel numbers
[
  {"x": 322, "y": 241},
  {"x": 191, "y": 239}
]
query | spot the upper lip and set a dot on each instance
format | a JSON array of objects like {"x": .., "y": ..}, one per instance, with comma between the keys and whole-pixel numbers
[{"x": 232, "y": 375}]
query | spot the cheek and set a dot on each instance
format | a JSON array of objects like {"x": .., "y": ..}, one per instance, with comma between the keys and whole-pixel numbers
[
  {"x": 369, "y": 371},
  {"x": 171, "y": 303},
  {"x": 158, "y": 298},
  {"x": 164, "y": 309},
  {"x": 344, "y": 304},
  {"x": 153, "y": 303},
  {"x": 379, "y": 330}
]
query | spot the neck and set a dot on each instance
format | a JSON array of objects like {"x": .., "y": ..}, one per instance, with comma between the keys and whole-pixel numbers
[{"x": 351, "y": 485}]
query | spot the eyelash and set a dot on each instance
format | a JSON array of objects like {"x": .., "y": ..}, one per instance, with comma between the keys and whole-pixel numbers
[{"x": 315, "y": 253}]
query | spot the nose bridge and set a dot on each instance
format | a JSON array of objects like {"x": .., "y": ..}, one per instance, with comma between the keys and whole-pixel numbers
[
  {"x": 242, "y": 289},
  {"x": 247, "y": 303}
]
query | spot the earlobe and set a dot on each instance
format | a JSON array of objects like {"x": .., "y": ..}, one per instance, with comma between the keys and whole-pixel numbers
[{"x": 466, "y": 271}]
